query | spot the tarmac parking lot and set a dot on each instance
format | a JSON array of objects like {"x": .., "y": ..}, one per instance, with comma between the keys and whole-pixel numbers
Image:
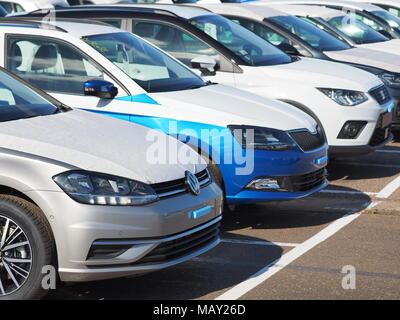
[{"x": 292, "y": 250}]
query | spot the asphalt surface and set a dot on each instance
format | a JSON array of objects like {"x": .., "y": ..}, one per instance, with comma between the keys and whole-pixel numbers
[{"x": 292, "y": 250}]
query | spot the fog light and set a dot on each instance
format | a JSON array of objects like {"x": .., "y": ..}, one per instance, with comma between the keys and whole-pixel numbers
[
  {"x": 264, "y": 184},
  {"x": 352, "y": 129}
]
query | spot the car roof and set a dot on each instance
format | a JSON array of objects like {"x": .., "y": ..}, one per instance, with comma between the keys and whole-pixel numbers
[
  {"x": 250, "y": 11},
  {"x": 74, "y": 27},
  {"x": 347, "y": 4},
  {"x": 312, "y": 11},
  {"x": 184, "y": 11}
]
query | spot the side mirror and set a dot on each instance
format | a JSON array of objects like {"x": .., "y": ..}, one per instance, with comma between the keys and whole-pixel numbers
[
  {"x": 100, "y": 88},
  {"x": 288, "y": 49},
  {"x": 207, "y": 65},
  {"x": 386, "y": 34}
]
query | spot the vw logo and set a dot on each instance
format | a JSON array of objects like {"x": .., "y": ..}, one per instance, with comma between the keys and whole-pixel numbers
[{"x": 192, "y": 183}]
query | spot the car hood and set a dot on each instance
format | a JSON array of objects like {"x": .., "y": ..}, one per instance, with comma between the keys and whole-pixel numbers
[
  {"x": 391, "y": 46},
  {"x": 366, "y": 56},
  {"x": 84, "y": 140},
  {"x": 222, "y": 105},
  {"x": 323, "y": 74}
]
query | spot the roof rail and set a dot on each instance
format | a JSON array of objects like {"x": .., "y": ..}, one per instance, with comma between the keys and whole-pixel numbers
[
  {"x": 65, "y": 19},
  {"x": 146, "y": 7},
  {"x": 29, "y": 22}
]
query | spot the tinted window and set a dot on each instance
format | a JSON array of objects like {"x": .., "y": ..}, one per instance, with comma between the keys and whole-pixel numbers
[
  {"x": 50, "y": 65},
  {"x": 242, "y": 42},
  {"x": 359, "y": 32},
  {"x": 153, "y": 70},
  {"x": 309, "y": 33},
  {"x": 392, "y": 20},
  {"x": 174, "y": 40},
  {"x": 268, "y": 34},
  {"x": 18, "y": 101}
]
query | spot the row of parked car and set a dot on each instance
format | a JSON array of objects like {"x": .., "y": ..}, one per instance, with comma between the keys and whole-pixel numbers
[{"x": 214, "y": 105}]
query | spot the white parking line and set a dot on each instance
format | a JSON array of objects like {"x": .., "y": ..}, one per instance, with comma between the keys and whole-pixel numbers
[
  {"x": 268, "y": 271},
  {"x": 387, "y": 191},
  {"x": 262, "y": 243}
]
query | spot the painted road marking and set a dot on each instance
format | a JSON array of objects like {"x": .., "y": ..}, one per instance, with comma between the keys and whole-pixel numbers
[
  {"x": 390, "y": 188},
  {"x": 268, "y": 271},
  {"x": 262, "y": 243}
]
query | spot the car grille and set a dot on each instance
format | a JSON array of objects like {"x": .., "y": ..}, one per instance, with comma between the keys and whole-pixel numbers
[
  {"x": 175, "y": 187},
  {"x": 180, "y": 247},
  {"x": 308, "y": 141},
  {"x": 381, "y": 94},
  {"x": 305, "y": 182}
]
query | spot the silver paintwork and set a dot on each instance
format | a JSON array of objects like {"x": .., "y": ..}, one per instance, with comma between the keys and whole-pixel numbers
[{"x": 34, "y": 150}]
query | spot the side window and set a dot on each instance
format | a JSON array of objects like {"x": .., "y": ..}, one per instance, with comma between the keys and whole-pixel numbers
[
  {"x": 50, "y": 65},
  {"x": 8, "y": 6},
  {"x": 268, "y": 34},
  {"x": 173, "y": 40},
  {"x": 114, "y": 22}
]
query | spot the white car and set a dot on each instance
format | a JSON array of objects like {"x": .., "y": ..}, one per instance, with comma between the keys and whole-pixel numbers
[
  {"x": 393, "y": 6},
  {"x": 115, "y": 73},
  {"x": 17, "y": 6},
  {"x": 373, "y": 16},
  {"x": 347, "y": 102},
  {"x": 280, "y": 25}
]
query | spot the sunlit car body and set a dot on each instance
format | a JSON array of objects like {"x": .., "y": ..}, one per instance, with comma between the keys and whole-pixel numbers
[
  {"x": 242, "y": 59},
  {"x": 152, "y": 89},
  {"x": 78, "y": 193}
]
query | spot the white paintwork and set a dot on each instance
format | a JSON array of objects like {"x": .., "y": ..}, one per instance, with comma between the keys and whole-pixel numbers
[
  {"x": 215, "y": 105},
  {"x": 32, "y": 5},
  {"x": 298, "y": 82},
  {"x": 382, "y": 55}
]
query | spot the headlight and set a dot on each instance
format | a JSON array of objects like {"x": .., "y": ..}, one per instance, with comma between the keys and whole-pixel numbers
[
  {"x": 100, "y": 189},
  {"x": 250, "y": 137},
  {"x": 345, "y": 97},
  {"x": 391, "y": 79}
]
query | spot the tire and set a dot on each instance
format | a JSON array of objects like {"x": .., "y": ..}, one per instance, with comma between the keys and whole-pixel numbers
[{"x": 35, "y": 230}]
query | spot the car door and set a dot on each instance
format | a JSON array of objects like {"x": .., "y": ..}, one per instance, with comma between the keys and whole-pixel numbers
[
  {"x": 185, "y": 47},
  {"x": 61, "y": 69}
]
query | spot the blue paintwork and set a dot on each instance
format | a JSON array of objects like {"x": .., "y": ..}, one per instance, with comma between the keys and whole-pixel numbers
[
  {"x": 142, "y": 98},
  {"x": 266, "y": 163},
  {"x": 196, "y": 214}
]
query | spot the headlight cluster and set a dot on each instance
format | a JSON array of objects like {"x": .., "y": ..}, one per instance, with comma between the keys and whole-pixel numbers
[
  {"x": 391, "y": 79},
  {"x": 96, "y": 188},
  {"x": 250, "y": 137},
  {"x": 345, "y": 97}
]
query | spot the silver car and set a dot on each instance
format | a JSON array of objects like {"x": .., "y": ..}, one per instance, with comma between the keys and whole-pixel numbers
[{"x": 78, "y": 194}]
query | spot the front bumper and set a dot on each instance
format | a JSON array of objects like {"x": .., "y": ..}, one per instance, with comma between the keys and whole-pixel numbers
[
  {"x": 78, "y": 227},
  {"x": 282, "y": 164},
  {"x": 395, "y": 93}
]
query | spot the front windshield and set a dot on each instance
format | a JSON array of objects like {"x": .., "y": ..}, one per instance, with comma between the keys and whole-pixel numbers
[
  {"x": 245, "y": 44},
  {"x": 17, "y": 101},
  {"x": 392, "y": 20},
  {"x": 357, "y": 31},
  {"x": 309, "y": 33},
  {"x": 153, "y": 70}
]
